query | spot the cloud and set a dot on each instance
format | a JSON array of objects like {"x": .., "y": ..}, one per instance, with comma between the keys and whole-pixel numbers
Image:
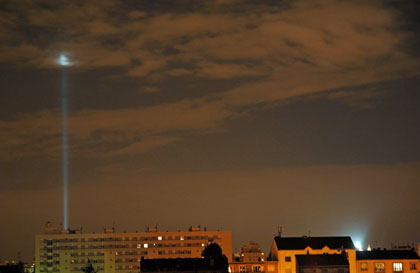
[
  {"x": 107, "y": 133},
  {"x": 138, "y": 147},
  {"x": 279, "y": 53},
  {"x": 226, "y": 71},
  {"x": 365, "y": 98}
]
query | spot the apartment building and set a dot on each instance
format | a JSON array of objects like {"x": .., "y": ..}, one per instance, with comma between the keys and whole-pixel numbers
[
  {"x": 387, "y": 261},
  {"x": 68, "y": 251},
  {"x": 251, "y": 258},
  {"x": 285, "y": 250}
]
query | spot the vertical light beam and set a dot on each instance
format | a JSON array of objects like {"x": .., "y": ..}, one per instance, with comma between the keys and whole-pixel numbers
[{"x": 65, "y": 144}]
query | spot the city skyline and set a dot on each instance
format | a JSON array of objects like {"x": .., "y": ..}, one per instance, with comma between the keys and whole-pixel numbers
[{"x": 234, "y": 115}]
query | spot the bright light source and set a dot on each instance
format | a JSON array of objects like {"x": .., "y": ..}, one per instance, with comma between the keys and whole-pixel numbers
[
  {"x": 160, "y": 238},
  {"x": 358, "y": 246},
  {"x": 63, "y": 60},
  {"x": 145, "y": 245}
]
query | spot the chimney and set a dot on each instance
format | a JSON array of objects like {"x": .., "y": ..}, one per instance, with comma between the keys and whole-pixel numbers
[{"x": 279, "y": 230}]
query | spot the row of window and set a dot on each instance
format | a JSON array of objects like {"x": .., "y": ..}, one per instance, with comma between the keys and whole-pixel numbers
[
  {"x": 380, "y": 267},
  {"x": 255, "y": 268},
  {"x": 51, "y": 249},
  {"x": 111, "y": 239},
  {"x": 127, "y": 267},
  {"x": 83, "y": 254},
  {"x": 175, "y": 252}
]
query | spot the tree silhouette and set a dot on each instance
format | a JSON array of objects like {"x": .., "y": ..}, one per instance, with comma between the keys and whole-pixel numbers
[
  {"x": 213, "y": 250},
  {"x": 217, "y": 260},
  {"x": 89, "y": 268}
]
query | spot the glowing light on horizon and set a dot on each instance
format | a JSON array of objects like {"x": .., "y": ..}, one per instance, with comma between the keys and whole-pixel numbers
[
  {"x": 358, "y": 246},
  {"x": 63, "y": 60}
]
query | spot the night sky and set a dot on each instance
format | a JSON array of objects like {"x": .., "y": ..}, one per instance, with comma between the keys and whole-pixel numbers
[{"x": 237, "y": 115}]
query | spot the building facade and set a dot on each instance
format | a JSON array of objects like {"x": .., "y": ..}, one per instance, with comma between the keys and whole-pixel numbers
[
  {"x": 68, "y": 251},
  {"x": 251, "y": 258},
  {"x": 388, "y": 261},
  {"x": 285, "y": 249}
]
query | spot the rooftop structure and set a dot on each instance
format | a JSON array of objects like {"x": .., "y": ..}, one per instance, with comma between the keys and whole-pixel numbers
[
  {"x": 182, "y": 265},
  {"x": 378, "y": 254},
  {"x": 322, "y": 260},
  {"x": 322, "y": 263}
]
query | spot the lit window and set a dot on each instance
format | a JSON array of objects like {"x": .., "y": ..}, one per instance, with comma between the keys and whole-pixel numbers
[
  {"x": 145, "y": 245},
  {"x": 139, "y": 246},
  {"x": 363, "y": 267},
  {"x": 160, "y": 238},
  {"x": 397, "y": 267},
  {"x": 182, "y": 238},
  {"x": 379, "y": 267},
  {"x": 256, "y": 268},
  {"x": 242, "y": 268}
]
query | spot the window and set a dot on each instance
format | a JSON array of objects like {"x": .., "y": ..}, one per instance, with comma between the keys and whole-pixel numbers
[
  {"x": 413, "y": 266},
  {"x": 397, "y": 267},
  {"x": 256, "y": 268},
  {"x": 363, "y": 267},
  {"x": 242, "y": 268},
  {"x": 288, "y": 258},
  {"x": 379, "y": 267}
]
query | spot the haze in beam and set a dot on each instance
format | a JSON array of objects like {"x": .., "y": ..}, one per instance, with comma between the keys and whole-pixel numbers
[{"x": 64, "y": 61}]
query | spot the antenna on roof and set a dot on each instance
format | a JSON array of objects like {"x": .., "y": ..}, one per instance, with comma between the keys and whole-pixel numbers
[{"x": 279, "y": 230}]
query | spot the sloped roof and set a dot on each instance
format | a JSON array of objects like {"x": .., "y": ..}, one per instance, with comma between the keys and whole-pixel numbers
[
  {"x": 337, "y": 242},
  {"x": 387, "y": 255},
  {"x": 322, "y": 260},
  {"x": 182, "y": 265}
]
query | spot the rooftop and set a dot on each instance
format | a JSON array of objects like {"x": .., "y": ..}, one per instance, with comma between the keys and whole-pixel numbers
[
  {"x": 181, "y": 264},
  {"x": 378, "y": 254},
  {"x": 314, "y": 242}
]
